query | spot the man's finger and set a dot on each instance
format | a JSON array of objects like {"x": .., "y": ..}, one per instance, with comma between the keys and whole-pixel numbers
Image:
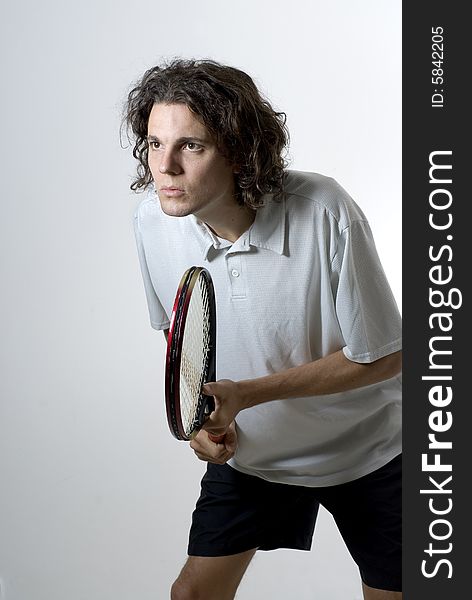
[{"x": 208, "y": 389}]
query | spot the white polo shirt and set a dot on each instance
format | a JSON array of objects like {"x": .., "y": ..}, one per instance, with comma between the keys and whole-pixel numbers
[{"x": 302, "y": 282}]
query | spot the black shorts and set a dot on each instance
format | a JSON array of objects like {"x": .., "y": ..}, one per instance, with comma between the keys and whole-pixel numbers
[{"x": 237, "y": 512}]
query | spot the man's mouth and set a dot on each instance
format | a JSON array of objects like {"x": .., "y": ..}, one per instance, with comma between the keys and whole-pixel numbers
[{"x": 171, "y": 191}]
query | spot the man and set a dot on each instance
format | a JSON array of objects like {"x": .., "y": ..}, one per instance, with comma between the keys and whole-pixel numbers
[{"x": 309, "y": 334}]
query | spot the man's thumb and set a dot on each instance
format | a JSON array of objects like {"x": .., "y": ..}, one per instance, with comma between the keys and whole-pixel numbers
[{"x": 208, "y": 389}]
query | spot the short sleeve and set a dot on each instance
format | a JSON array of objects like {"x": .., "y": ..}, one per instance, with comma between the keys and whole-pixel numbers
[
  {"x": 366, "y": 309},
  {"x": 157, "y": 314}
]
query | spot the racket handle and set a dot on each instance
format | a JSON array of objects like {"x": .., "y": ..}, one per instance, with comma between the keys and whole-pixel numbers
[
  {"x": 217, "y": 439},
  {"x": 209, "y": 407}
]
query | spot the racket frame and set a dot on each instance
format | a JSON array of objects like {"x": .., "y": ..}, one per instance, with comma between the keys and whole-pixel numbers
[{"x": 173, "y": 356}]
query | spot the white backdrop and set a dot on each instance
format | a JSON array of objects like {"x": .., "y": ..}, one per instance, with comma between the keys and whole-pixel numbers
[{"x": 90, "y": 507}]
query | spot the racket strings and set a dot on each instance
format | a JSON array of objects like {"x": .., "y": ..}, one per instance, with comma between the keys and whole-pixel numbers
[{"x": 194, "y": 355}]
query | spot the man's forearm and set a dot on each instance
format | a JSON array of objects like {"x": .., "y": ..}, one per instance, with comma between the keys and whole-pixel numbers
[{"x": 332, "y": 374}]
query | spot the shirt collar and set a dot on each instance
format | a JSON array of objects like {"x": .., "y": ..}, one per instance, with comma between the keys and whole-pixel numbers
[{"x": 267, "y": 231}]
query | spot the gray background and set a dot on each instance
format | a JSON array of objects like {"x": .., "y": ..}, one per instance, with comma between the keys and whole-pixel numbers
[{"x": 95, "y": 495}]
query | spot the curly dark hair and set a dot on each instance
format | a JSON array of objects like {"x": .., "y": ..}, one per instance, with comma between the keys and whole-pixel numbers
[{"x": 247, "y": 130}]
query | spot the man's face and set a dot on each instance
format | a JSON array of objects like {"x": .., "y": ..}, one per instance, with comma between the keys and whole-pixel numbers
[{"x": 190, "y": 174}]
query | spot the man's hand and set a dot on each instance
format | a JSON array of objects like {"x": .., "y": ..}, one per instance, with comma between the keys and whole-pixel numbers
[
  {"x": 208, "y": 451},
  {"x": 228, "y": 403}
]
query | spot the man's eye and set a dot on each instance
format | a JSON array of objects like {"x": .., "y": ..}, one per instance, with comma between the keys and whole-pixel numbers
[
  {"x": 193, "y": 146},
  {"x": 155, "y": 145}
]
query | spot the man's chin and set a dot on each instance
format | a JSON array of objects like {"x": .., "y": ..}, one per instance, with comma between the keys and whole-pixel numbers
[{"x": 172, "y": 209}]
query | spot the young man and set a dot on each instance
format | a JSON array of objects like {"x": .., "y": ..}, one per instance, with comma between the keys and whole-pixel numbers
[{"x": 309, "y": 334}]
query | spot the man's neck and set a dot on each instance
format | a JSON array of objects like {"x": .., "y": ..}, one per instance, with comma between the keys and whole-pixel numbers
[{"x": 232, "y": 222}]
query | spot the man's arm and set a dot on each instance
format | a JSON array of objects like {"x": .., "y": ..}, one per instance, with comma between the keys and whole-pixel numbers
[{"x": 331, "y": 374}]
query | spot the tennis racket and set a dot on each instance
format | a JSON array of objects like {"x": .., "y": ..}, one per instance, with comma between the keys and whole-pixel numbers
[{"x": 191, "y": 355}]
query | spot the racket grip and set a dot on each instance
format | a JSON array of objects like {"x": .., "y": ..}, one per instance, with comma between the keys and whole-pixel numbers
[
  {"x": 217, "y": 439},
  {"x": 209, "y": 407}
]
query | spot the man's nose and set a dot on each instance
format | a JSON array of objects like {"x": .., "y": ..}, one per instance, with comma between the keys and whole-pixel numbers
[{"x": 170, "y": 163}]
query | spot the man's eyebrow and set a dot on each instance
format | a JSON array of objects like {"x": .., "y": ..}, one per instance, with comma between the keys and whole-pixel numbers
[{"x": 181, "y": 140}]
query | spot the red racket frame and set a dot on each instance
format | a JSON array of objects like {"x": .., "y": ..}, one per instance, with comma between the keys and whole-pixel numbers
[{"x": 174, "y": 349}]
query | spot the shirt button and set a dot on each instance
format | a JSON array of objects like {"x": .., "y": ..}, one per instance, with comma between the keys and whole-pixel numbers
[{"x": 235, "y": 273}]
